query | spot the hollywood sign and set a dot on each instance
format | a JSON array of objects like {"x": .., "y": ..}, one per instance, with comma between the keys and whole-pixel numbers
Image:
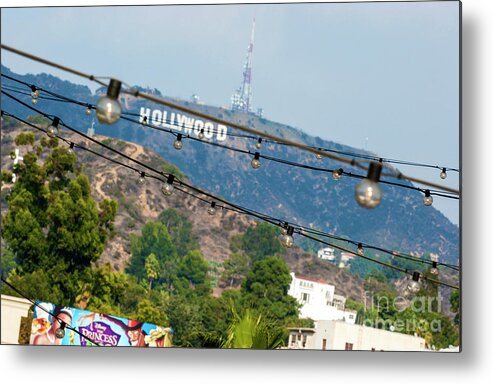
[{"x": 183, "y": 123}]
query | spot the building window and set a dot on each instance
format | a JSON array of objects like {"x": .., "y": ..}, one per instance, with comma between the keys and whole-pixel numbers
[
  {"x": 349, "y": 347},
  {"x": 324, "y": 344},
  {"x": 305, "y": 297}
]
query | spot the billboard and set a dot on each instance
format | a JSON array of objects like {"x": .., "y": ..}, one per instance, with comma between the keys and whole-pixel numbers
[{"x": 93, "y": 329}]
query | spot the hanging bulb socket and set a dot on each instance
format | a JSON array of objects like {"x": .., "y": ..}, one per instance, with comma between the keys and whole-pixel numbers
[
  {"x": 60, "y": 332},
  {"x": 144, "y": 121},
  {"x": 256, "y": 161},
  {"x": 108, "y": 109},
  {"x": 178, "y": 144},
  {"x": 284, "y": 228},
  {"x": 443, "y": 174},
  {"x": 212, "y": 209},
  {"x": 142, "y": 178},
  {"x": 34, "y": 93},
  {"x": 360, "y": 249},
  {"x": 287, "y": 239},
  {"x": 428, "y": 199},
  {"x": 258, "y": 145},
  {"x": 337, "y": 173},
  {"x": 71, "y": 149},
  {"x": 52, "y": 130},
  {"x": 168, "y": 187},
  {"x": 368, "y": 193},
  {"x": 434, "y": 268},
  {"x": 89, "y": 109},
  {"x": 201, "y": 134},
  {"x": 414, "y": 284}
]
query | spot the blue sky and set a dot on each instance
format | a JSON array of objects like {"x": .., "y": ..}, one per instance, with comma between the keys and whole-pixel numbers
[{"x": 380, "y": 76}]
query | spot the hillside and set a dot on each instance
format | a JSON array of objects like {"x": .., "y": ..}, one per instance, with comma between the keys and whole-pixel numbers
[
  {"x": 308, "y": 197},
  {"x": 139, "y": 204}
]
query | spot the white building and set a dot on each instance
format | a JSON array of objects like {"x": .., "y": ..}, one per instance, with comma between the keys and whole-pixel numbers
[
  {"x": 318, "y": 300},
  {"x": 13, "y": 310},
  {"x": 339, "y": 335},
  {"x": 346, "y": 258},
  {"x": 326, "y": 254}
]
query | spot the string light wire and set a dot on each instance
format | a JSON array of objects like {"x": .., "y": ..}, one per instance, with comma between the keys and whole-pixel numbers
[
  {"x": 146, "y": 96},
  {"x": 235, "y": 207},
  {"x": 270, "y": 158}
]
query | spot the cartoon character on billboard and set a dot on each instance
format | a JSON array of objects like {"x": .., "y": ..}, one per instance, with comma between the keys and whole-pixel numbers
[{"x": 45, "y": 334}]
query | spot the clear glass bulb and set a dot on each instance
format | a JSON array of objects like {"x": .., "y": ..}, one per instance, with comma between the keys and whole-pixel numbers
[
  {"x": 255, "y": 163},
  {"x": 142, "y": 180},
  {"x": 428, "y": 200},
  {"x": 443, "y": 174},
  {"x": 211, "y": 211},
  {"x": 287, "y": 240},
  {"x": 108, "y": 110},
  {"x": 434, "y": 271},
  {"x": 35, "y": 94},
  {"x": 258, "y": 145},
  {"x": 88, "y": 110},
  {"x": 336, "y": 174},
  {"x": 201, "y": 134},
  {"x": 413, "y": 286},
  {"x": 318, "y": 156},
  {"x": 360, "y": 251},
  {"x": 34, "y": 100},
  {"x": 178, "y": 144},
  {"x": 60, "y": 333},
  {"x": 52, "y": 131},
  {"x": 368, "y": 193},
  {"x": 167, "y": 189},
  {"x": 70, "y": 149}
]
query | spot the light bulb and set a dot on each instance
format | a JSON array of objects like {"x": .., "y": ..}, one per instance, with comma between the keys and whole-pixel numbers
[
  {"x": 337, "y": 173},
  {"x": 428, "y": 199},
  {"x": 434, "y": 269},
  {"x": 443, "y": 174},
  {"x": 34, "y": 94},
  {"x": 284, "y": 229},
  {"x": 60, "y": 332},
  {"x": 108, "y": 109},
  {"x": 52, "y": 130},
  {"x": 201, "y": 134},
  {"x": 368, "y": 192},
  {"x": 212, "y": 209},
  {"x": 360, "y": 249},
  {"x": 178, "y": 144},
  {"x": 144, "y": 121},
  {"x": 256, "y": 161},
  {"x": 414, "y": 285},
  {"x": 142, "y": 178},
  {"x": 258, "y": 145},
  {"x": 70, "y": 150},
  {"x": 88, "y": 110},
  {"x": 287, "y": 239},
  {"x": 318, "y": 156},
  {"x": 168, "y": 188}
]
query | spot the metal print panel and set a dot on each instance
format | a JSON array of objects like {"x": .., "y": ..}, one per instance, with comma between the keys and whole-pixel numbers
[{"x": 262, "y": 176}]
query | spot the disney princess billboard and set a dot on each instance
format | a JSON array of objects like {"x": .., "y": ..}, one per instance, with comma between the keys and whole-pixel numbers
[{"x": 52, "y": 326}]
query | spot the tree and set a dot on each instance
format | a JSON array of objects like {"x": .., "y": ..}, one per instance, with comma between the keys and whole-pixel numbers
[
  {"x": 266, "y": 286},
  {"x": 261, "y": 241},
  {"x": 155, "y": 239},
  {"x": 52, "y": 217},
  {"x": 180, "y": 230},
  {"x": 192, "y": 275},
  {"x": 152, "y": 268},
  {"x": 235, "y": 268},
  {"x": 455, "y": 305},
  {"x": 252, "y": 330}
]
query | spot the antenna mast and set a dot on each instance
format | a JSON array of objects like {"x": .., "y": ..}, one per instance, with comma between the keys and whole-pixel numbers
[{"x": 242, "y": 98}]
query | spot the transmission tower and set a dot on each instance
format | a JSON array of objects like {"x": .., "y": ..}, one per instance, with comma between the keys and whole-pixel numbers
[{"x": 242, "y": 98}]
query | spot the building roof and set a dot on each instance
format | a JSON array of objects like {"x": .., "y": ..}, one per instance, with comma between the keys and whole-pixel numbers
[{"x": 313, "y": 280}]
